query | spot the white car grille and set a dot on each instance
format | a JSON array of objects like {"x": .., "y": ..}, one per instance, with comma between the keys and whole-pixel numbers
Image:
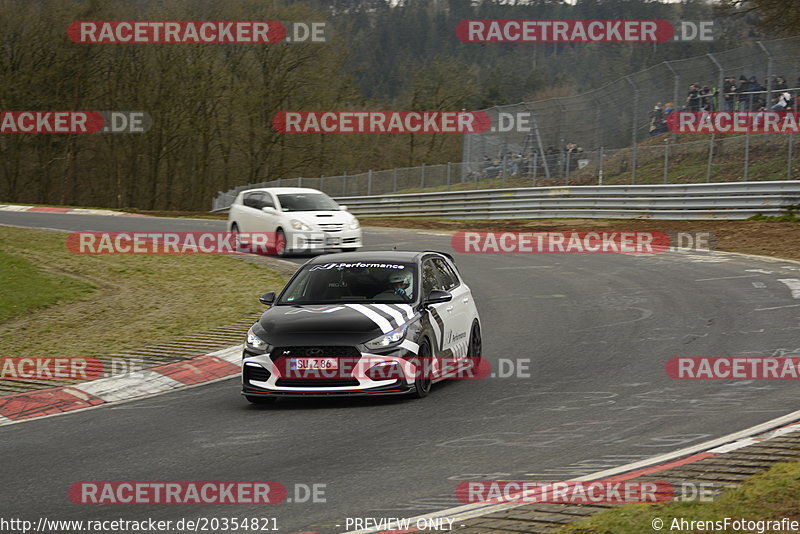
[{"x": 331, "y": 227}]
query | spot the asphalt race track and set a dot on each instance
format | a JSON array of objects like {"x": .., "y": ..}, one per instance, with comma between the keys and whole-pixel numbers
[{"x": 597, "y": 329}]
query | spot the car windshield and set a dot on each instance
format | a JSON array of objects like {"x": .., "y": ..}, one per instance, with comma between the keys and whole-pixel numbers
[
  {"x": 307, "y": 202},
  {"x": 362, "y": 282}
]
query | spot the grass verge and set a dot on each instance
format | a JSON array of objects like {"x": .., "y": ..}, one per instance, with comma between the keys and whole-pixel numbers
[
  {"x": 26, "y": 287},
  {"x": 769, "y": 496},
  {"x": 117, "y": 302}
]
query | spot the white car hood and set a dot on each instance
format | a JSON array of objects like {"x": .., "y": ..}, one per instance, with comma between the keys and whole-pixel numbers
[{"x": 313, "y": 218}]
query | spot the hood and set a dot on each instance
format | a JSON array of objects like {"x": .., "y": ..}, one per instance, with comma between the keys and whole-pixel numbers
[
  {"x": 321, "y": 217},
  {"x": 334, "y": 324}
]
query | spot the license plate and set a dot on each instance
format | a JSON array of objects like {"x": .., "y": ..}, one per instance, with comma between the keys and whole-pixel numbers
[
  {"x": 308, "y": 364},
  {"x": 332, "y": 241}
]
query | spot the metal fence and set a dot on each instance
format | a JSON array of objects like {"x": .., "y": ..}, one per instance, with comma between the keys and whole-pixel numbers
[
  {"x": 617, "y": 114},
  {"x": 446, "y": 176},
  {"x": 709, "y": 160},
  {"x": 579, "y": 139}
]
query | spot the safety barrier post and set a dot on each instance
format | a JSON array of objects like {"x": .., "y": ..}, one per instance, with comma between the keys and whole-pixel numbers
[{"x": 633, "y": 128}]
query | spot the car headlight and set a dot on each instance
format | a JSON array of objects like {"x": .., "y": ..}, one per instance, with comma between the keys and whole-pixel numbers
[
  {"x": 255, "y": 342},
  {"x": 390, "y": 339},
  {"x": 354, "y": 225},
  {"x": 300, "y": 225}
]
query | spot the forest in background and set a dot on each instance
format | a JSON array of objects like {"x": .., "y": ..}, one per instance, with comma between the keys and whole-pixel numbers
[{"x": 212, "y": 104}]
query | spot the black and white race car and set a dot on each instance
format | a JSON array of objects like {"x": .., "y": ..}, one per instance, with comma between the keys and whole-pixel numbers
[{"x": 365, "y": 323}]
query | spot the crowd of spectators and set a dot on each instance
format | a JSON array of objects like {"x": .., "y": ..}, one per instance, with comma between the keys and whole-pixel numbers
[
  {"x": 517, "y": 164},
  {"x": 748, "y": 94}
]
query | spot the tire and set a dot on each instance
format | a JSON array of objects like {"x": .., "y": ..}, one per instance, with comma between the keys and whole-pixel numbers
[
  {"x": 475, "y": 341},
  {"x": 280, "y": 243},
  {"x": 349, "y": 249},
  {"x": 422, "y": 383},
  {"x": 237, "y": 242},
  {"x": 254, "y": 399}
]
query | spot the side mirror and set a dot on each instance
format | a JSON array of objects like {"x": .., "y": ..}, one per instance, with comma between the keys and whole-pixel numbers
[
  {"x": 267, "y": 299},
  {"x": 437, "y": 296},
  {"x": 269, "y": 209},
  {"x": 342, "y": 208}
]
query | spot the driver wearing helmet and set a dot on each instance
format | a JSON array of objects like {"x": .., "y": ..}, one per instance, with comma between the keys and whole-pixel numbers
[{"x": 398, "y": 284}]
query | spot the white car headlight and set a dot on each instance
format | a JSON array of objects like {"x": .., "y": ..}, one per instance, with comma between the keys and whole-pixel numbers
[
  {"x": 354, "y": 224},
  {"x": 300, "y": 225},
  {"x": 255, "y": 342},
  {"x": 395, "y": 337}
]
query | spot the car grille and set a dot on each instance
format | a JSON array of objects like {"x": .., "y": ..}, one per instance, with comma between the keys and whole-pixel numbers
[
  {"x": 331, "y": 227},
  {"x": 348, "y": 359},
  {"x": 332, "y": 383},
  {"x": 258, "y": 374},
  {"x": 312, "y": 352}
]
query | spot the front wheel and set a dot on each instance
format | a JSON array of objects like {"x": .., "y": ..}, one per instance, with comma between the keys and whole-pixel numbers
[
  {"x": 280, "y": 243},
  {"x": 475, "y": 343},
  {"x": 423, "y": 381},
  {"x": 237, "y": 238}
]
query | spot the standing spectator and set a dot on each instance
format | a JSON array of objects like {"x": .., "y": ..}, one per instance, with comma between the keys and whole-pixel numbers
[
  {"x": 729, "y": 92},
  {"x": 755, "y": 98},
  {"x": 516, "y": 159},
  {"x": 669, "y": 107},
  {"x": 706, "y": 101},
  {"x": 657, "y": 122},
  {"x": 741, "y": 89},
  {"x": 693, "y": 98}
]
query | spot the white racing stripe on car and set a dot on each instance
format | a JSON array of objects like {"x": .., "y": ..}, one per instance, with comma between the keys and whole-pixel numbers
[
  {"x": 398, "y": 317},
  {"x": 311, "y": 310},
  {"x": 406, "y": 308},
  {"x": 378, "y": 319},
  {"x": 137, "y": 384}
]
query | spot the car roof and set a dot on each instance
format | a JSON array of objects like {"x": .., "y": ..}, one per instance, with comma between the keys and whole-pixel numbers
[
  {"x": 373, "y": 256},
  {"x": 284, "y": 190}
]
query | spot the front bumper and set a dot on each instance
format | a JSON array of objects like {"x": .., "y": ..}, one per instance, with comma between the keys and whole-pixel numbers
[
  {"x": 268, "y": 375},
  {"x": 320, "y": 240}
]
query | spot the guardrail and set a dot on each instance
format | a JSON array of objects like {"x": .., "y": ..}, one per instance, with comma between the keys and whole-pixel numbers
[{"x": 730, "y": 200}]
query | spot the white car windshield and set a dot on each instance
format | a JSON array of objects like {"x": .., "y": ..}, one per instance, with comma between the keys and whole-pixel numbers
[
  {"x": 335, "y": 282},
  {"x": 307, "y": 202}
]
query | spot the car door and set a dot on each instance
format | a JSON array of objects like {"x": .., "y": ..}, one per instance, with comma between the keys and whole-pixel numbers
[
  {"x": 457, "y": 310},
  {"x": 268, "y": 222},
  {"x": 249, "y": 217},
  {"x": 439, "y": 315}
]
